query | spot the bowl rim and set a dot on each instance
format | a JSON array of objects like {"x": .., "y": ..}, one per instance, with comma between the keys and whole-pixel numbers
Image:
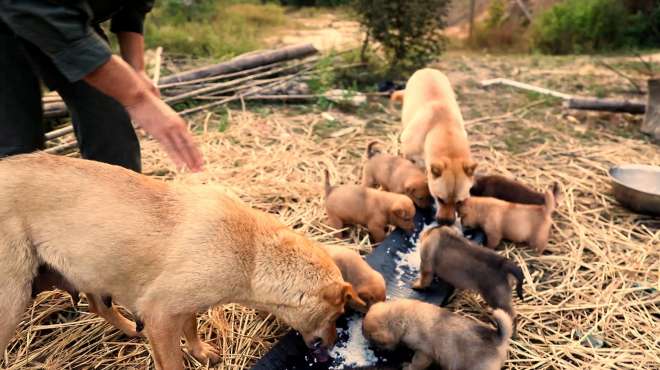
[{"x": 632, "y": 166}]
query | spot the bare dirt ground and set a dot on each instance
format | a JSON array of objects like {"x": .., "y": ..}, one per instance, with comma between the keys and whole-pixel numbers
[{"x": 326, "y": 31}]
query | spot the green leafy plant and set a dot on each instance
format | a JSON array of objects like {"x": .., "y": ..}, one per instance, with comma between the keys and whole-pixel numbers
[
  {"x": 582, "y": 26},
  {"x": 408, "y": 30}
]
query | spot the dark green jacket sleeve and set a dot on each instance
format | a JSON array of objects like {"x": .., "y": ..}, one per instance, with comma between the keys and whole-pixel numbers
[
  {"x": 131, "y": 17},
  {"x": 61, "y": 30}
]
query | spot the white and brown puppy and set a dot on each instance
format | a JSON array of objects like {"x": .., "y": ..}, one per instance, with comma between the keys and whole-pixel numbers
[
  {"x": 375, "y": 209},
  {"x": 397, "y": 175},
  {"x": 434, "y": 138},
  {"x": 438, "y": 335},
  {"x": 163, "y": 251},
  {"x": 367, "y": 282},
  {"x": 520, "y": 223},
  {"x": 451, "y": 257}
]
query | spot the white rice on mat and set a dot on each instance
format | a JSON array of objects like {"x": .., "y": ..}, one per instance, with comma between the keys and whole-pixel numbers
[{"x": 354, "y": 352}]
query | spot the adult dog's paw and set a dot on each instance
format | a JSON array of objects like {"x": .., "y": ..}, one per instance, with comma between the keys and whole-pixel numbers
[{"x": 204, "y": 352}]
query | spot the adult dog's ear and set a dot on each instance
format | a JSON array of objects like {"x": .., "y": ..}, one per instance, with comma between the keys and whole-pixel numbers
[
  {"x": 350, "y": 295},
  {"x": 469, "y": 167},
  {"x": 436, "y": 168}
]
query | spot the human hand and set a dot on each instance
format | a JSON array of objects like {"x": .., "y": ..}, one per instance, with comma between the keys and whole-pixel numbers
[
  {"x": 149, "y": 83},
  {"x": 169, "y": 129}
]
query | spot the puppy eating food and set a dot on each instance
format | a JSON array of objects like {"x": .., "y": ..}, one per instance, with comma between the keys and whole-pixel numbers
[
  {"x": 500, "y": 187},
  {"x": 438, "y": 335},
  {"x": 434, "y": 138},
  {"x": 367, "y": 282},
  {"x": 397, "y": 175},
  {"x": 520, "y": 223},
  {"x": 375, "y": 209},
  {"x": 164, "y": 251},
  {"x": 456, "y": 260}
]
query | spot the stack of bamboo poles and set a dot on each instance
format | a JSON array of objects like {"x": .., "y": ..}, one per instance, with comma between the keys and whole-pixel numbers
[{"x": 269, "y": 75}]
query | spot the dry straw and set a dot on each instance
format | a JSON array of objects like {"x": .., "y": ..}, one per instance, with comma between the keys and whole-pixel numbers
[{"x": 593, "y": 297}]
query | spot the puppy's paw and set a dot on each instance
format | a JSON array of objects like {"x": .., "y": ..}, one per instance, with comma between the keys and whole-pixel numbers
[
  {"x": 408, "y": 366},
  {"x": 204, "y": 352},
  {"x": 417, "y": 285}
]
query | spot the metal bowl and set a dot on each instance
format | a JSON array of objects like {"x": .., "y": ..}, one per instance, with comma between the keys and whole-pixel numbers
[{"x": 637, "y": 187}]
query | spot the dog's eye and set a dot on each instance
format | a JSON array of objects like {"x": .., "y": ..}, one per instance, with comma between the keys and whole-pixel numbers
[{"x": 441, "y": 201}]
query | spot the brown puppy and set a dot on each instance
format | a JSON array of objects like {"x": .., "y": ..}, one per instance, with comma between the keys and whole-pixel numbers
[
  {"x": 521, "y": 223},
  {"x": 367, "y": 282},
  {"x": 397, "y": 175},
  {"x": 434, "y": 138},
  {"x": 438, "y": 335},
  {"x": 375, "y": 209},
  {"x": 454, "y": 259},
  {"x": 500, "y": 187},
  {"x": 163, "y": 251}
]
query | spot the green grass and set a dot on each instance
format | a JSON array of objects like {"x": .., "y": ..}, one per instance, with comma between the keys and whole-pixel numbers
[{"x": 218, "y": 29}]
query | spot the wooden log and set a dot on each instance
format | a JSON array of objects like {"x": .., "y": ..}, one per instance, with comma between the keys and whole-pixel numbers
[
  {"x": 59, "y": 132},
  {"x": 651, "y": 123},
  {"x": 524, "y": 86},
  {"x": 607, "y": 105},
  {"x": 62, "y": 148},
  {"x": 247, "y": 61},
  {"x": 55, "y": 110}
]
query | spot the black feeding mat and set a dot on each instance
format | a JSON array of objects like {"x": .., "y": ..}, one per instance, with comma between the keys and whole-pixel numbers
[{"x": 393, "y": 260}]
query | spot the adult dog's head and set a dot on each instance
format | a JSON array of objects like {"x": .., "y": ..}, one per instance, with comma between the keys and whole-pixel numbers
[
  {"x": 450, "y": 180},
  {"x": 316, "y": 318}
]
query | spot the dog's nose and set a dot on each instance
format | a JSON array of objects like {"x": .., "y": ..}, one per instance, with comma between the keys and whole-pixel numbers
[{"x": 445, "y": 221}]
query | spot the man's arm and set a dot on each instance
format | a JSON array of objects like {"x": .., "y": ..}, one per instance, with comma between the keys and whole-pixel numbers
[
  {"x": 63, "y": 33},
  {"x": 131, "y": 46},
  {"x": 117, "y": 79}
]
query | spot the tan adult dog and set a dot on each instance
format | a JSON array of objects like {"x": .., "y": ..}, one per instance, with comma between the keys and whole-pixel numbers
[
  {"x": 163, "y": 251},
  {"x": 434, "y": 138},
  {"x": 438, "y": 335}
]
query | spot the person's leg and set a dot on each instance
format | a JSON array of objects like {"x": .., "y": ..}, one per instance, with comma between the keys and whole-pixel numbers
[
  {"x": 21, "y": 124},
  {"x": 102, "y": 126}
]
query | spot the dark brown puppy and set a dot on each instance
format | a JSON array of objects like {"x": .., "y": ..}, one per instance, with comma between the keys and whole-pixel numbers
[
  {"x": 375, "y": 209},
  {"x": 454, "y": 259},
  {"x": 397, "y": 175},
  {"x": 438, "y": 335},
  {"x": 503, "y": 188}
]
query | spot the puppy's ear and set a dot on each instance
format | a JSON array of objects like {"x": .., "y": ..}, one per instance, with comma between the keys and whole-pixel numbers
[
  {"x": 436, "y": 169},
  {"x": 469, "y": 167},
  {"x": 400, "y": 212}
]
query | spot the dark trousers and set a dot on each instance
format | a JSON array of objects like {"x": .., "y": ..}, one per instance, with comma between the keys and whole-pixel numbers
[{"x": 102, "y": 126}]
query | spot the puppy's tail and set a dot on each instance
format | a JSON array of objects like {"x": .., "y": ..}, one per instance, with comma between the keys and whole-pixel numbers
[
  {"x": 552, "y": 198},
  {"x": 371, "y": 151},
  {"x": 397, "y": 96},
  {"x": 328, "y": 187},
  {"x": 504, "y": 325},
  {"x": 516, "y": 271}
]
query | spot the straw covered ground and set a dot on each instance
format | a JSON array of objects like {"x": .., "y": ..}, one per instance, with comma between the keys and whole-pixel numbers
[{"x": 592, "y": 299}]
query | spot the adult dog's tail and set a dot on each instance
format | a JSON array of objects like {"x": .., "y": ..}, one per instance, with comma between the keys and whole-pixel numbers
[
  {"x": 371, "y": 151},
  {"x": 504, "y": 325},
  {"x": 328, "y": 187},
  {"x": 397, "y": 96}
]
